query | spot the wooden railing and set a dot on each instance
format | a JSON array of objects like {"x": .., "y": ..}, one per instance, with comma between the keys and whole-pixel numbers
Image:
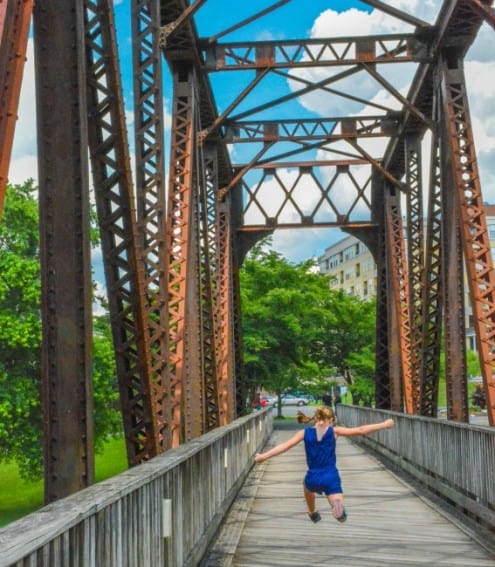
[
  {"x": 161, "y": 513},
  {"x": 454, "y": 460}
]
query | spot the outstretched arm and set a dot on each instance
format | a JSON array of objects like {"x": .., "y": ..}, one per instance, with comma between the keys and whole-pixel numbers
[
  {"x": 364, "y": 429},
  {"x": 281, "y": 448}
]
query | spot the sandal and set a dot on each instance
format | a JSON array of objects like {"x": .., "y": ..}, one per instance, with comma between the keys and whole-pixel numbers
[{"x": 314, "y": 517}]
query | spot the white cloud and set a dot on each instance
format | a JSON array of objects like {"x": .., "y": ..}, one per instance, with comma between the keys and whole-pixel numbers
[{"x": 23, "y": 163}]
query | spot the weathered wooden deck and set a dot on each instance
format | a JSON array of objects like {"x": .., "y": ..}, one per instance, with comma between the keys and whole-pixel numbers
[{"x": 389, "y": 524}]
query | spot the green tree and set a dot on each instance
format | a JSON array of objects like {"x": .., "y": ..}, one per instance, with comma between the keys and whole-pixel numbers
[
  {"x": 20, "y": 341},
  {"x": 350, "y": 327},
  {"x": 295, "y": 329},
  {"x": 20, "y": 330}
]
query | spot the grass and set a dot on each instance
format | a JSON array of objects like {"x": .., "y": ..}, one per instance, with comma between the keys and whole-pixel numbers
[{"x": 19, "y": 498}]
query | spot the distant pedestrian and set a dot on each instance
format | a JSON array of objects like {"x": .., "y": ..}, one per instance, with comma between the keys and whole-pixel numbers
[
  {"x": 327, "y": 399},
  {"x": 319, "y": 443}
]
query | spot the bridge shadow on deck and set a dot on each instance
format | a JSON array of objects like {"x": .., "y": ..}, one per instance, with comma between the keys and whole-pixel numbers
[{"x": 389, "y": 524}]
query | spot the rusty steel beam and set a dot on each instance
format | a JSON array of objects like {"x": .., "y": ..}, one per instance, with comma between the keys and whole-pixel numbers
[
  {"x": 399, "y": 310},
  {"x": 150, "y": 199},
  {"x": 193, "y": 391},
  {"x": 15, "y": 17},
  {"x": 118, "y": 230},
  {"x": 484, "y": 8},
  {"x": 327, "y": 52},
  {"x": 65, "y": 248},
  {"x": 458, "y": 23},
  {"x": 225, "y": 270},
  {"x": 337, "y": 128},
  {"x": 384, "y": 387},
  {"x": 415, "y": 257},
  {"x": 209, "y": 289},
  {"x": 469, "y": 208},
  {"x": 432, "y": 285},
  {"x": 179, "y": 218},
  {"x": 453, "y": 298}
]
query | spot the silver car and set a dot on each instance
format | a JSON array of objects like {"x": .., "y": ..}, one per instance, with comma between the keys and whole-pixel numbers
[{"x": 290, "y": 400}]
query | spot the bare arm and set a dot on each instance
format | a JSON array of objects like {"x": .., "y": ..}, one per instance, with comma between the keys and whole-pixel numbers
[
  {"x": 281, "y": 448},
  {"x": 363, "y": 429}
]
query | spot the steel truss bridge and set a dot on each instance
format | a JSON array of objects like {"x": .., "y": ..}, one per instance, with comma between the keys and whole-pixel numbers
[{"x": 248, "y": 154}]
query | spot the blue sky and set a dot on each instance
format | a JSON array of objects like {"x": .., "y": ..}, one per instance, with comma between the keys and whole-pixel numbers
[{"x": 299, "y": 18}]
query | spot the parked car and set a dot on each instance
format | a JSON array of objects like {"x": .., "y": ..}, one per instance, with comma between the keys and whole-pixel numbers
[
  {"x": 268, "y": 400},
  {"x": 290, "y": 400}
]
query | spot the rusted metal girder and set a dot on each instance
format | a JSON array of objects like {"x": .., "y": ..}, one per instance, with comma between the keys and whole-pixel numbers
[
  {"x": 392, "y": 48},
  {"x": 329, "y": 129},
  {"x": 65, "y": 247},
  {"x": 150, "y": 198},
  {"x": 399, "y": 316},
  {"x": 118, "y": 230},
  {"x": 210, "y": 295},
  {"x": 325, "y": 210},
  {"x": 453, "y": 290},
  {"x": 415, "y": 258},
  {"x": 432, "y": 285},
  {"x": 469, "y": 209},
  {"x": 15, "y": 17},
  {"x": 485, "y": 9},
  {"x": 180, "y": 239},
  {"x": 225, "y": 282}
]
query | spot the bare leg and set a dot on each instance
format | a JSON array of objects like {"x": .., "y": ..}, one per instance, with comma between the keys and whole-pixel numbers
[
  {"x": 337, "y": 503},
  {"x": 311, "y": 504},
  {"x": 310, "y": 500}
]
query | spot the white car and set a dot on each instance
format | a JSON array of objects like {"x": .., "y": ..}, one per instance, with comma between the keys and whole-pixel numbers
[{"x": 289, "y": 400}]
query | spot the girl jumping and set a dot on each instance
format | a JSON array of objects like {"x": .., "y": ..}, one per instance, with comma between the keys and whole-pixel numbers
[{"x": 319, "y": 443}]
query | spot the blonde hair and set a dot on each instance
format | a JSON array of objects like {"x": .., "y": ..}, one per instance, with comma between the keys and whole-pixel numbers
[{"x": 321, "y": 414}]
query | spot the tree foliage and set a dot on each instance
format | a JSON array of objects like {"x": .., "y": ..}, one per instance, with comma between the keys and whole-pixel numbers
[
  {"x": 295, "y": 328},
  {"x": 20, "y": 341}
]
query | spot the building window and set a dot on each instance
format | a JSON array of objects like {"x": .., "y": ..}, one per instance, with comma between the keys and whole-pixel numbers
[{"x": 358, "y": 270}]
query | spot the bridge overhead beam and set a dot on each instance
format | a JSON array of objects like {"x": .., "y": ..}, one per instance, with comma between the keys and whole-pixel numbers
[{"x": 235, "y": 56}]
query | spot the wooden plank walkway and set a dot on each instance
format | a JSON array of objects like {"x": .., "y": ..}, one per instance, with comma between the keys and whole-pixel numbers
[{"x": 389, "y": 524}]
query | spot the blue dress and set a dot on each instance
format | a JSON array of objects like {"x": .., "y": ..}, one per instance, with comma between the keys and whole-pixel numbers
[{"x": 322, "y": 476}]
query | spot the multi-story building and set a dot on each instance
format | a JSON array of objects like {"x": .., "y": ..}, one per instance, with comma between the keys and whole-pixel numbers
[
  {"x": 352, "y": 266},
  {"x": 354, "y": 270}
]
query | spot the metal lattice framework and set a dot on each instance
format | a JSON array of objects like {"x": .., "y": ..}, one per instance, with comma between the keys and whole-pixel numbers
[{"x": 247, "y": 155}]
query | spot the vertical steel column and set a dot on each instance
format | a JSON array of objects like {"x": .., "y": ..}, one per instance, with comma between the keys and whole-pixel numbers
[
  {"x": 415, "y": 257},
  {"x": 150, "y": 197},
  {"x": 453, "y": 295},
  {"x": 117, "y": 218},
  {"x": 238, "y": 386},
  {"x": 469, "y": 207},
  {"x": 432, "y": 287},
  {"x": 180, "y": 213},
  {"x": 382, "y": 362},
  {"x": 193, "y": 399},
  {"x": 209, "y": 291},
  {"x": 15, "y": 16},
  {"x": 400, "y": 332},
  {"x": 65, "y": 247},
  {"x": 226, "y": 399}
]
